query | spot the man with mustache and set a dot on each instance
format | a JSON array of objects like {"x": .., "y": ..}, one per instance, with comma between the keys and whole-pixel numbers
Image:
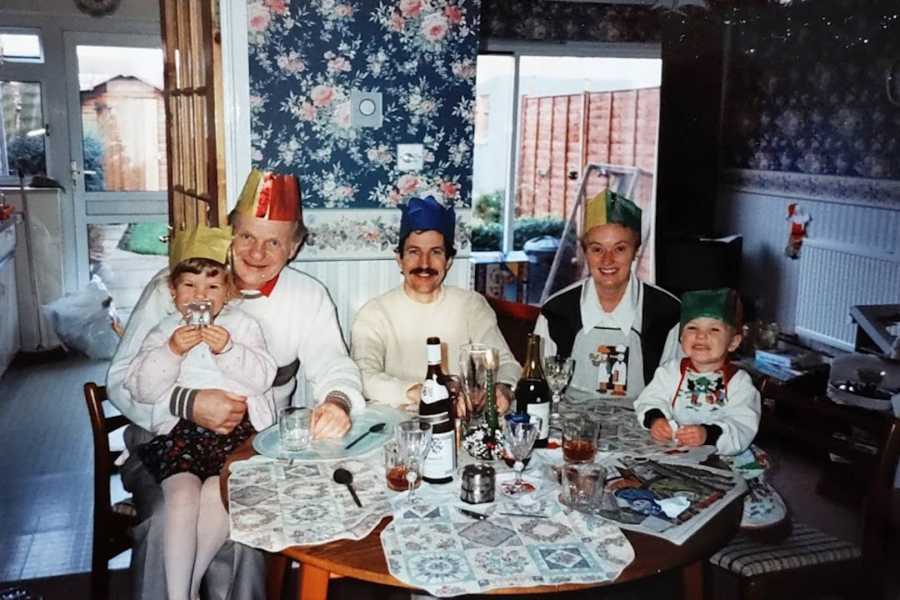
[{"x": 389, "y": 332}]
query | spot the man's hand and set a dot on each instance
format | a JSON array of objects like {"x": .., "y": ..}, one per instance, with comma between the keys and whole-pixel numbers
[
  {"x": 216, "y": 337},
  {"x": 329, "y": 420},
  {"x": 184, "y": 338},
  {"x": 691, "y": 435},
  {"x": 413, "y": 396},
  {"x": 218, "y": 410},
  {"x": 503, "y": 394},
  {"x": 660, "y": 430}
]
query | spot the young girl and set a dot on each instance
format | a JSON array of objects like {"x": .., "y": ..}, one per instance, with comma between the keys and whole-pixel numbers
[
  {"x": 207, "y": 342},
  {"x": 702, "y": 398}
]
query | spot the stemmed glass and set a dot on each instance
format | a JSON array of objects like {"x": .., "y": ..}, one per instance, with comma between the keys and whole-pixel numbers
[
  {"x": 557, "y": 370},
  {"x": 477, "y": 370},
  {"x": 518, "y": 438},
  {"x": 414, "y": 440}
]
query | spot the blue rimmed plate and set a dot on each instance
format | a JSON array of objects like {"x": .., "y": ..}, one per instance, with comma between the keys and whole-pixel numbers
[{"x": 268, "y": 441}]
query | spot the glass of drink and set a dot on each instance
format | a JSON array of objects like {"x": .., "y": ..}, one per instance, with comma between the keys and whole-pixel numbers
[
  {"x": 518, "y": 439},
  {"x": 582, "y": 486},
  {"x": 477, "y": 371},
  {"x": 557, "y": 371},
  {"x": 579, "y": 437},
  {"x": 293, "y": 428},
  {"x": 395, "y": 468},
  {"x": 413, "y": 441}
]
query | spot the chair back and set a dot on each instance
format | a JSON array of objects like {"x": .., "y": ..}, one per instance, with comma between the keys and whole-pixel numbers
[
  {"x": 111, "y": 523},
  {"x": 101, "y": 427},
  {"x": 516, "y": 321}
]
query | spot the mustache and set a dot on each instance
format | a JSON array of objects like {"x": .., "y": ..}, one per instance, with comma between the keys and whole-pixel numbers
[{"x": 423, "y": 271}]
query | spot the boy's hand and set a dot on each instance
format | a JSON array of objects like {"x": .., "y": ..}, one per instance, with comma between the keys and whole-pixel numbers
[
  {"x": 691, "y": 435},
  {"x": 216, "y": 337},
  {"x": 183, "y": 339},
  {"x": 660, "y": 430}
]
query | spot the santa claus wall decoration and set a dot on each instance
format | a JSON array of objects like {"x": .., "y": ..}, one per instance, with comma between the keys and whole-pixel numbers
[{"x": 799, "y": 221}]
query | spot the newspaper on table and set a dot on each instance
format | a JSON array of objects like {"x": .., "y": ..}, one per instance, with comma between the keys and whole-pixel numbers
[{"x": 658, "y": 489}]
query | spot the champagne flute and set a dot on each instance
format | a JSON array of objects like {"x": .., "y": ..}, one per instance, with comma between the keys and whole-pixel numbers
[
  {"x": 518, "y": 438},
  {"x": 558, "y": 370},
  {"x": 477, "y": 363},
  {"x": 414, "y": 440}
]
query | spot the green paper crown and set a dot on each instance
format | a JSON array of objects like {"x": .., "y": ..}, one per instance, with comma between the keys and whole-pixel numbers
[
  {"x": 722, "y": 304},
  {"x": 609, "y": 207}
]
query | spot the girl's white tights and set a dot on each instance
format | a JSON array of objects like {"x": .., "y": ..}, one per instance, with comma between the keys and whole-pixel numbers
[{"x": 196, "y": 526}]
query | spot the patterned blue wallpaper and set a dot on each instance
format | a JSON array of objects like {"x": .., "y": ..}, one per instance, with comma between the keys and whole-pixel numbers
[
  {"x": 806, "y": 89},
  {"x": 306, "y": 56}
]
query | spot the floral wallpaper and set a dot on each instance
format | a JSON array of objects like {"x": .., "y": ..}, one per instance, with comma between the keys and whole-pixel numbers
[
  {"x": 806, "y": 90},
  {"x": 307, "y": 55},
  {"x": 567, "y": 21}
]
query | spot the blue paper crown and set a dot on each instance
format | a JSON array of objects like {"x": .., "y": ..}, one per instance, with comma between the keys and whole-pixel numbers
[{"x": 427, "y": 214}]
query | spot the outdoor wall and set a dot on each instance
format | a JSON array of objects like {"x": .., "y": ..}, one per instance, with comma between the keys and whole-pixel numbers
[
  {"x": 306, "y": 56},
  {"x": 807, "y": 121}
]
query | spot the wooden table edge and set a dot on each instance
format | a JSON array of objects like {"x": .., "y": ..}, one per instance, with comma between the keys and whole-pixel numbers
[{"x": 301, "y": 554}]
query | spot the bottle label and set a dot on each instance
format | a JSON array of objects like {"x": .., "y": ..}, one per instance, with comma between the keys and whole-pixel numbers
[
  {"x": 543, "y": 411},
  {"x": 433, "y": 353},
  {"x": 441, "y": 460},
  {"x": 433, "y": 392}
]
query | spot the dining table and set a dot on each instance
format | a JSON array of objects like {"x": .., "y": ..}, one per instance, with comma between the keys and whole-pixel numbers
[{"x": 364, "y": 559}]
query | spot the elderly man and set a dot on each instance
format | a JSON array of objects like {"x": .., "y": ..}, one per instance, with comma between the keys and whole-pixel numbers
[
  {"x": 299, "y": 322},
  {"x": 389, "y": 332},
  {"x": 617, "y": 328}
]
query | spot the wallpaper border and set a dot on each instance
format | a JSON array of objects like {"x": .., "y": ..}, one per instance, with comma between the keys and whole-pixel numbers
[
  {"x": 364, "y": 233},
  {"x": 873, "y": 193}
]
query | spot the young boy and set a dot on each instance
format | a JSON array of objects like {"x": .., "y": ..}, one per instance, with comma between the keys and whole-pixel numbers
[
  {"x": 702, "y": 398},
  {"x": 207, "y": 342}
]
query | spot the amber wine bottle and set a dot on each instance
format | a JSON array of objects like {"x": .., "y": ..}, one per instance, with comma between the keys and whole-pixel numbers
[
  {"x": 532, "y": 392},
  {"x": 436, "y": 407}
]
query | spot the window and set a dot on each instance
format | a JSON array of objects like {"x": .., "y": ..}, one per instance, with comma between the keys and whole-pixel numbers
[
  {"x": 482, "y": 118},
  {"x": 122, "y": 118},
  {"x": 20, "y": 46},
  {"x": 550, "y": 117},
  {"x": 22, "y": 129}
]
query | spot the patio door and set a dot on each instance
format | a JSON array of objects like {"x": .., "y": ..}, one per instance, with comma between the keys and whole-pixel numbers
[{"x": 118, "y": 170}]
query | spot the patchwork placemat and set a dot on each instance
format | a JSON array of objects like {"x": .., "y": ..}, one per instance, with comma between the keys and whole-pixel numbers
[
  {"x": 440, "y": 550},
  {"x": 273, "y": 505}
]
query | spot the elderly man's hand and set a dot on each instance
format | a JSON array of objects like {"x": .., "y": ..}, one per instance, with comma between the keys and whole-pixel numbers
[
  {"x": 218, "y": 410},
  {"x": 330, "y": 419},
  {"x": 504, "y": 397}
]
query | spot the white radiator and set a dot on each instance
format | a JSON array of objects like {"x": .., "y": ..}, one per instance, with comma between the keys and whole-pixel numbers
[
  {"x": 834, "y": 277},
  {"x": 353, "y": 282}
]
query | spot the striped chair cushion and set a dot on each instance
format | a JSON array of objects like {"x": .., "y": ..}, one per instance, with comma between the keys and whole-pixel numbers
[{"x": 805, "y": 547}]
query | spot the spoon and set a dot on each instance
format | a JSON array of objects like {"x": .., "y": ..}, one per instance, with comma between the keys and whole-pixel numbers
[
  {"x": 376, "y": 428},
  {"x": 345, "y": 477}
]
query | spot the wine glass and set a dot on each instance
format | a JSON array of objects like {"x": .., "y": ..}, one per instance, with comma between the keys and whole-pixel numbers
[
  {"x": 518, "y": 439},
  {"x": 414, "y": 440},
  {"x": 557, "y": 370},
  {"x": 477, "y": 371}
]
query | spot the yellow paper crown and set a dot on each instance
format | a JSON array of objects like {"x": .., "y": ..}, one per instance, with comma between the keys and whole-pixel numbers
[{"x": 200, "y": 242}]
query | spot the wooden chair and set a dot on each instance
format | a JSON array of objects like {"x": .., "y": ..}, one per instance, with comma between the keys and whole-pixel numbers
[
  {"x": 516, "y": 321},
  {"x": 112, "y": 522},
  {"x": 810, "y": 560}
]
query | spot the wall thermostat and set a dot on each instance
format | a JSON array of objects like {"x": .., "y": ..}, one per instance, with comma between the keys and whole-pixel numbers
[{"x": 365, "y": 109}]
